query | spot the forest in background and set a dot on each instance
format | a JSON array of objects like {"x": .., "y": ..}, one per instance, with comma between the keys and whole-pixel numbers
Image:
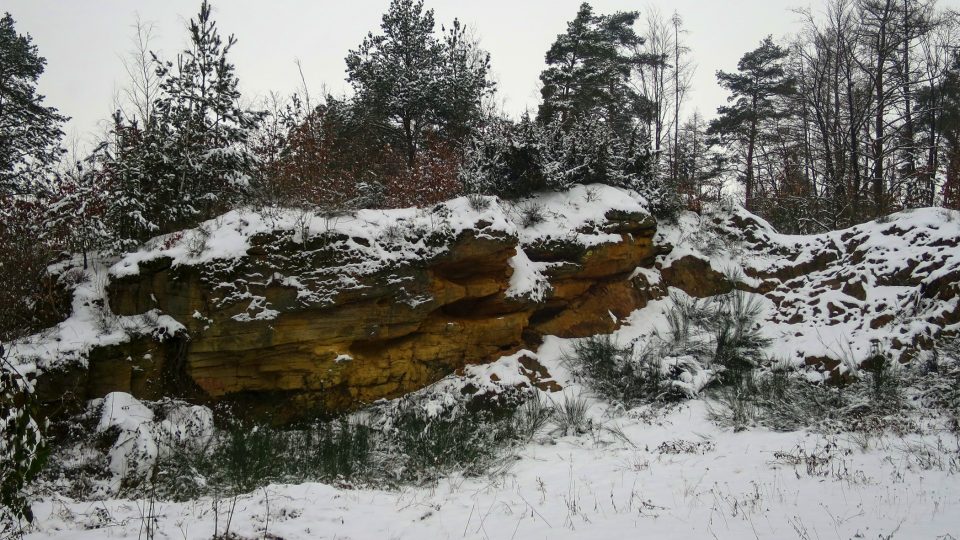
[{"x": 855, "y": 116}]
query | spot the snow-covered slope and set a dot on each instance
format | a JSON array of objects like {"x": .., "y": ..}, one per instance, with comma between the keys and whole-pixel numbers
[{"x": 891, "y": 285}]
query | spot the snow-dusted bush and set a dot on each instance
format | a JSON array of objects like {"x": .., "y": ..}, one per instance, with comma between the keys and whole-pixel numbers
[
  {"x": 504, "y": 159},
  {"x": 739, "y": 346},
  {"x": 883, "y": 378},
  {"x": 428, "y": 443},
  {"x": 609, "y": 370},
  {"x": 531, "y": 214},
  {"x": 244, "y": 456},
  {"x": 30, "y": 298},
  {"x": 650, "y": 371},
  {"x": 22, "y": 447},
  {"x": 778, "y": 396},
  {"x": 532, "y": 417},
  {"x": 717, "y": 339},
  {"x": 937, "y": 378},
  {"x": 721, "y": 332}
]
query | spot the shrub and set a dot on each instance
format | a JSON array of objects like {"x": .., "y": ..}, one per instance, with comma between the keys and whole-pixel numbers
[
  {"x": 408, "y": 441},
  {"x": 340, "y": 450},
  {"x": 937, "y": 381},
  {"x": 883, "y": 379},
  {"x": 739, "y": 344},
  {"x": 505, "y": 159},
  {"x": 610, "y": 370},
  {"x": 771, "y": 398},
  {"x": 532, "y": 417},
  {"x": 424, "y": 444},
  {"x": 247, "y": 456},
  {"x": 686, "y": 319},
  {"x": 478, "y": 201},
  {"x": 782, "y": 399},
  {"x": 31, "y": 298},
  {"x": 23, "y": 449}
]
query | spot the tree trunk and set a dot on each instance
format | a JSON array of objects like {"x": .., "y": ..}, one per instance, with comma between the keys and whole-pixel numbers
[{"x": 751, "y": 144}]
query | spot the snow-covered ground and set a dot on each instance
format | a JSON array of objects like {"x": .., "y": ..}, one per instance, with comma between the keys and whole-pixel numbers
[
  {"x": 841, "y": 293},
  {"x": 646, "y": 472},
  {"x": 680, "y": 476}
]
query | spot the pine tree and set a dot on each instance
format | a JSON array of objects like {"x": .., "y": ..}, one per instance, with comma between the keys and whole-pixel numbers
[
  {"x": 588, "y": 72},
  {"x": 29, "y": 131},
  {"x": 949, "y": 127},
  {"x": 463, "y": 84},
  {"x": 760, "y": 80},
  {"x": 698, "y": 165},
  {"x": 505, "y": 158},
  {"x": 138, "y": 179},
  {"x": 594, "y": 124},
  {"x": 75, "y": 213},
  {"x": 408, "y": 82},
  {"x": 189, "y": 159},
  {"x": 203, "y": 125}
]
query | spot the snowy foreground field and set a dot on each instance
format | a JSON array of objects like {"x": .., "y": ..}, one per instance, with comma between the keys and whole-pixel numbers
[
  {"x": 682, "y": 477},
  {"x": 653, "y": 473}
]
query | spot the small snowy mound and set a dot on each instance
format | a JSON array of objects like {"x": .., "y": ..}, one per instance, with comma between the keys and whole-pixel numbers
[{"x": 141, "y": 439}]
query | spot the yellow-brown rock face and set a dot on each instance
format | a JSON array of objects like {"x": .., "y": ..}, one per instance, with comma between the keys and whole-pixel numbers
[{"x": 377, "y": 335}]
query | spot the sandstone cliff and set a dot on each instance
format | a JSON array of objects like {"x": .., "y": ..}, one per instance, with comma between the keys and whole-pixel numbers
[{"x": 294, "y": 314}]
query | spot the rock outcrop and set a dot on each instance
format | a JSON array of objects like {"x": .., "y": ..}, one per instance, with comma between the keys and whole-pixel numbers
[
  {"x": 302, "y": 323},
  {"x": 291, "y": 314}
]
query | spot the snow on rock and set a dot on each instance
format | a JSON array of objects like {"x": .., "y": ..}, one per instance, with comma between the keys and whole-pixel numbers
[
  {"x": 135, "y": 448},
  {"x": 366, "y": 241},
  {"x": 527, "y": 279},
  {"x": 90, "y": 325},
  {"x": 888, "y": 285},
  {"x": 123, "y": 411},
  {"x": 373, "y": 232}
]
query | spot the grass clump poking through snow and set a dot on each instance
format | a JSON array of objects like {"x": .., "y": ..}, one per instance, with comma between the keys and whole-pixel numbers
[
  {"x": 532, "y": 418},
  {"x": 708, "y": 341},
  {"x": 938, "y": 378},
  {"x": 531, "y": 214},
  {"x": 424, "y": 444},
  {"x": 883, "y": 379},
  {"x": 739, "y": 345},
  {"x": 613, "y": 371},
  {"x": 571, "y": 415},
  {"x": 415, "y": 440},
  {"x": 776, "y": 396}
]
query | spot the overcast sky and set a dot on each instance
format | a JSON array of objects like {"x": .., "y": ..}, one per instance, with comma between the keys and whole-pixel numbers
[{"x": 83, "y": 41}]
